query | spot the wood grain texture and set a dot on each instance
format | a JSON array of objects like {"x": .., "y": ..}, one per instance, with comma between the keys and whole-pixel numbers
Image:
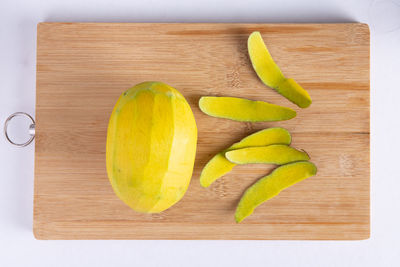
[{"x": 82, "y": 68}]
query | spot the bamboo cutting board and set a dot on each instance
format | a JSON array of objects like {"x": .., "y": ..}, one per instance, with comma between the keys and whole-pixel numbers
[{"x": 82, "y": 68}]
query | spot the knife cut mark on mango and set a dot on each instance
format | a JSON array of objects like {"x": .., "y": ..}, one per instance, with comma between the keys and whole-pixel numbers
[
  {"x": 218, "y": 166},
  {"x": 272, "y": 154},
  {"x": 271, "y": 185},
  {"x": 271, "y": 75},
  {"x": 240, "y": 109}
]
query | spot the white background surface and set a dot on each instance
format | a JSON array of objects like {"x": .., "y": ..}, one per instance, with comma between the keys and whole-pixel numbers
[{"x": 18, "y": 247}]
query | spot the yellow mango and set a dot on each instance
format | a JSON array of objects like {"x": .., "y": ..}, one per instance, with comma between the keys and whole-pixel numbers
[
  {"x": 271, "y": 185},
  {"x": 218, "y": 166},
  {"x": 240, "y": 109},
  {"x": 272, "y": 154},
  {"x": 270, "y": 74},
  {"x": 151, "y": 147}
]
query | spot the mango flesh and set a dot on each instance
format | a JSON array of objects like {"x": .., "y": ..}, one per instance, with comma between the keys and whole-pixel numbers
[
  {"x": 272, "y": 154},
  {"x": 218, "y": 166},
  {"x": 271, "y": 185},
  {"x": 240, "y": 109},
  {"x": 151, "y": 147},
  {"x": 270, "y": 74}
]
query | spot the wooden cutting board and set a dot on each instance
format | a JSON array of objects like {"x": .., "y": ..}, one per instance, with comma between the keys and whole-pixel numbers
[{"x": 82, "y": 68}]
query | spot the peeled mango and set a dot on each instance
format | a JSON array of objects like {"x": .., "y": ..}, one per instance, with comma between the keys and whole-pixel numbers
[
  {"x": 218, "y": 166},
  {"x": 271, "y": 75},
  {"x": 151, "y": 147},
  {"x": 271, "y": 185}
]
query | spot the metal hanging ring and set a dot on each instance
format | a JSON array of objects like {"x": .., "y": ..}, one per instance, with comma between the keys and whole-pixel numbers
[{"x": 31, "y": 128}]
